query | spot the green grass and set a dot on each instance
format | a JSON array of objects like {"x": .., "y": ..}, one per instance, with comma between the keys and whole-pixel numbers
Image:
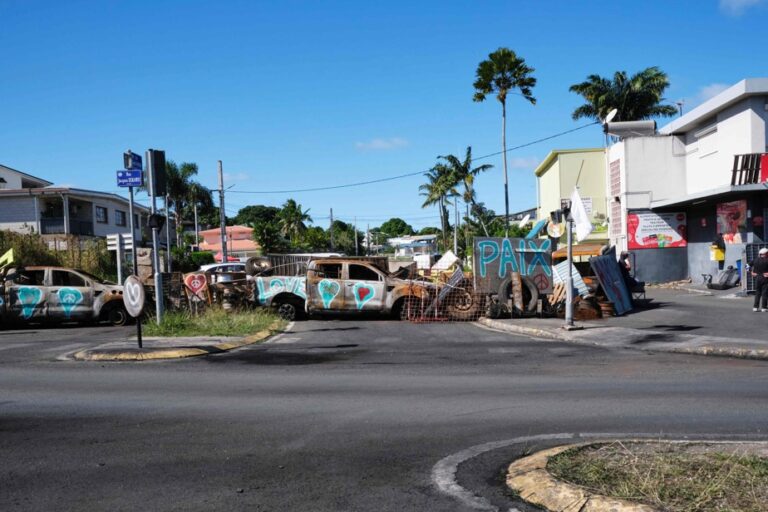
[
  {"x": 212, "y": 322},
  {"x": 673, "y": 477}
]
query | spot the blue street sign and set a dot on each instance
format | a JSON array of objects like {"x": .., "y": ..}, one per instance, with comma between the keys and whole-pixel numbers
[
  {"x": 130, "y": 178},
  {"x": 135, "y": 162}
]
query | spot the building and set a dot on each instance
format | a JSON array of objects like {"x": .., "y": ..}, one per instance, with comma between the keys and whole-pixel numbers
[
  {"x": 240, "y": 243},
  {"x": 422, "y": 248},
  {"x": 702, "y": 177},
  {"x": 564, "y": 169},
  {"x": 530, "y": 213},
  {"x": 29, "y": 204}
]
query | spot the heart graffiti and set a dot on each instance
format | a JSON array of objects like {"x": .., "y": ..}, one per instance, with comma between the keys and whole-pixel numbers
[
  {"x": 363, "y": 293},
  {"x": 29, "y": 297},
  {"x": 196, "y": 283},
  {"x": 69, "y": 298},
  {"x": 133, "y": 292},
  {"x": 328, "y": 291}
]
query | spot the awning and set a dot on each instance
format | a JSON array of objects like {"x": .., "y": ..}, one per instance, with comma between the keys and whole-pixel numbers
[{"x": 720, "y": 194}]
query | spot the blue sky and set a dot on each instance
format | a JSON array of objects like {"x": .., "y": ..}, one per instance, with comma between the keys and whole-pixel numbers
[{"x": 295, "y": 94}]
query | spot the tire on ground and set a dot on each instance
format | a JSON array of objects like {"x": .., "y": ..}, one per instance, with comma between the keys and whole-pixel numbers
[
  {"x": 530, "y": 293},
  {"x": 289, "y": 309},
  {"x": 463, "y": 304},
  {"x": 407, "y": 308}
]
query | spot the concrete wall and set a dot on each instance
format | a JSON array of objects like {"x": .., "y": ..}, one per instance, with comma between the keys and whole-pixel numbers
[
  {"x": 617, "y": 225},
  {"x": 13, "y": 179},
  {"x": 549, "y": 190},
  {"x": 591, "y": 181},
  {"x": 654, "y": 170},
  {"x": 18, "y": 214}
]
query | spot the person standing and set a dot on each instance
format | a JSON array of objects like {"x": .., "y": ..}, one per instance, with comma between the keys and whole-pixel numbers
[{"x": 759, "y": 270}]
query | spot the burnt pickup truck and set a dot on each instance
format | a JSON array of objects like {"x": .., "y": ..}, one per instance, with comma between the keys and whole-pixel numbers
[
  {"x": 54, "y": 294},
  {"x": 354, "y": 286}
]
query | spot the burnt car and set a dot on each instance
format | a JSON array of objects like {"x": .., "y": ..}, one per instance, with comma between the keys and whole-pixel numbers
[{"x": 55, "y": 294}]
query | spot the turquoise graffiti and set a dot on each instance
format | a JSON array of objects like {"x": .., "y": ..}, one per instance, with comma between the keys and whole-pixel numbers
[
  {"x": 525, "y": 256},
  {"x": 29, "y": 298},
  {"x": 328, "y": 291},
  {"x": 363, "y": 293},
  {"x": 268, "y": 287},
  {"x": 69, "y": 298}
]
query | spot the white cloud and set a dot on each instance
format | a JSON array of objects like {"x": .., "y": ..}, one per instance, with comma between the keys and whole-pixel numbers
[
  {"x": 523, "y": 162},
  {"x": 737, "y": 7},
  {"x": 239, "y": 176},
  {"x": 382, "y": 144},
  {"x": 710, "y": 91}
]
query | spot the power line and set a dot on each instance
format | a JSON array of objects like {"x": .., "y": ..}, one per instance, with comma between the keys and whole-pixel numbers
[{"x": 407, "y": 175}]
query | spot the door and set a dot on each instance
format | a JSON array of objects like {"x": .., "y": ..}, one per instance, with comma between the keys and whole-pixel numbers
[
  {"x": 70, "y": 296},
  {"x": 27, "y": 295},
  {"x": 324, "y": 291},
  {"x": 364, "y": 288}
]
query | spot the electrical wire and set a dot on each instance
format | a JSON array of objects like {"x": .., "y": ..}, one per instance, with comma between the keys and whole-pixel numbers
[{"x": 407, "y": 175}]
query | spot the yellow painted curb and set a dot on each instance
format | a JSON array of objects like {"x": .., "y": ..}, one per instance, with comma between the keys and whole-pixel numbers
[
  {"x": 531, "y": 480},
  {"x": 176, "y": 353}
]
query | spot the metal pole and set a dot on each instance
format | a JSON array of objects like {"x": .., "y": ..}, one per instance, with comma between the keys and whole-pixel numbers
[
  {"x": 222, "y": 216},
  {"x": 331, "y": 230},
  {"x": 455, "y": 227},
  {"x": 134, "y": 258},
  {"x": 168, "y": 236},
  {"x": 155, "y": 245},
  {"x": 197, "y": 229},
  {"x": 368, "y": 240},
  {"x": 569, "y": 278},
  {"x": 119, "y": 258},
  {"x": 355, "y": 228}
]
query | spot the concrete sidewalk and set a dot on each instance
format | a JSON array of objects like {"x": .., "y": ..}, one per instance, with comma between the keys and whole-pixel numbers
[
  {"x": 169, "y": 348},
  {"x": 675, "y": 321}
]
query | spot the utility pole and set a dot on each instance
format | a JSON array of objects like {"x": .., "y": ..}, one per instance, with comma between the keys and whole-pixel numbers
[
  {"x": 168, "y": 235},
  {"x": 331, "y": 230},
  {"x": 355, "y": 228},
  {"x": 456, "y": 227},
  {"x": 368, "y": 240},
  {"x": 197, "y": 229},
  {"x": 222, "y": 216},
  {"x": 155, "y": 242}
]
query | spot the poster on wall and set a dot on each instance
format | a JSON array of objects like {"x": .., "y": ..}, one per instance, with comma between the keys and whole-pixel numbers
[
  {"x": 649, "y": 230},
  {"x": 732, "y": 221}
]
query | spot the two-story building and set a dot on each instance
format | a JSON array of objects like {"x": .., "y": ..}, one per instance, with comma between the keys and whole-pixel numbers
[
  {"x": 30, "y": 204},
  {"x": 703, "y": 177}
]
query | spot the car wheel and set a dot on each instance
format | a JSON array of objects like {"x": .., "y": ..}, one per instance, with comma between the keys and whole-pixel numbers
[
  {"x": 287, "y": 311},
  {"x": 117, "y": 316}
]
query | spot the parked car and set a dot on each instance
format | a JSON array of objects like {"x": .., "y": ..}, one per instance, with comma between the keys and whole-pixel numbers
[{"x": 56, "y": 294}]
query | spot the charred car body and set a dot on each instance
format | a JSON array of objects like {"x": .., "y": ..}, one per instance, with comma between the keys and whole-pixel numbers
[{"x": 55, "y": 294}]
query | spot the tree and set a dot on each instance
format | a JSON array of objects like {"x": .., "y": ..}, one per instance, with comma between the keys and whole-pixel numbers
[
  {"x": 292, "y": 220},
  {"x": 267, "y": 234},
  {"x": 635, "y": 98},
  {"x": 440, "y": 185},
  {"x": 184, "y": 192},
  {"x": 255, "y": 213},
  {"x": 396, "y": 227},
  {"x": 463, "y": 173},
  {"x": 344, "y": 236},
  {"x": 429, "y": 230},
  {"x": 503, "y": 72},
  {"x": 314, "y": 239}
]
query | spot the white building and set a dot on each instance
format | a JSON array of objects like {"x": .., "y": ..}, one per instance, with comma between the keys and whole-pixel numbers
[
  {"x": 671, "y": 195},
  {"x": 29, "y": 204}
]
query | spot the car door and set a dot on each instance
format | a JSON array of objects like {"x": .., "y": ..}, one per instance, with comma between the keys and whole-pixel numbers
[
  {"x": 364, "y": 288},
  {"x": 324, "y": 283},
  {"x": 27, "y": 295},
  {"x": 70, "y": 296}
]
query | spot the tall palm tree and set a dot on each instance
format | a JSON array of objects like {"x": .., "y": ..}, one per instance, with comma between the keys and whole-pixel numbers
[
  {"x": 183, "y": 192},
  {"x": 502, "y": 73},
  {"x": 292, "y": 220},
  {"x": 436, "y": 191},
  {"x": 635, "y": 97},
  {"x": 463, "y": 173}
]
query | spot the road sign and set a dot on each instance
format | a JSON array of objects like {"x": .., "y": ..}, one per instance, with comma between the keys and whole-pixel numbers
[
  {"x": 134, "y": 296},
  {"x": 132, "y": 161},
  {"x": 130, "y": 178},
  {"x": 127, "y": 242}
]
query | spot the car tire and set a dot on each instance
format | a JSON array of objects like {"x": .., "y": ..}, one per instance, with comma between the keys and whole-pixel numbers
[
  {"x": 530, "y": 293},
  {"x": 117, "y": 316},
  {"x": 464, "y": 305}
]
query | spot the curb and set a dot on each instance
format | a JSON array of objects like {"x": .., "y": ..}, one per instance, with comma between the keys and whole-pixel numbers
[
  {"x": 531, "y": 480},
  {"x": 521, "y": 329},
  {"x": 149, "y": 354}
]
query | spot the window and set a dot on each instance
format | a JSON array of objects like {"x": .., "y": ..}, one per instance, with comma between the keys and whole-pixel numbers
[
  {"x": 362, "y": 273},
  {"x": 329, "y": 270},
  {"x": 64, "y": 278},
  {"x": 101, "y": 215},
  {"x": 120, "y": 218},
  {"x": 28, "y": 277}
]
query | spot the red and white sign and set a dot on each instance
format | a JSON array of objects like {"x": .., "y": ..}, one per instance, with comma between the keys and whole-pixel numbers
[
  {"x": 649, "y": 230},
  {"x": 197, "y": 284}
]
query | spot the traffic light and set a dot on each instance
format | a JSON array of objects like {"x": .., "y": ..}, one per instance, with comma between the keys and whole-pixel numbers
[{"x": 157, "y": 157}]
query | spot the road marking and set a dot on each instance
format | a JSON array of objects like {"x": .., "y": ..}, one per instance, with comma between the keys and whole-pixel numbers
[
  {"x": 19, "y": 345},
  {"x": 444, "y": 472},
  {"x": 280, "y": 337}
]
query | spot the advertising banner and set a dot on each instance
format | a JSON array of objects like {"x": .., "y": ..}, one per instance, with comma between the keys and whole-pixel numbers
[
  {"x": 650, "y": 230},
  {"x": 732, "y": 221}
]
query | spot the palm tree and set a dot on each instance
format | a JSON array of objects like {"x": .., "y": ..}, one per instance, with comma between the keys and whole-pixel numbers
[
  {"x": 463, "y": 173},
  {"x": 503, "y": 72},
  {"x": 199, "y": 199},
  {"x": 637, "y": 97},
  {"x": 183, "y": 192},
  {"x": 440, "y": 186},
  {"x": 292, "y": 219}
]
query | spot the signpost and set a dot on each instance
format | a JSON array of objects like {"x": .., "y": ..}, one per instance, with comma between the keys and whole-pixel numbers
[
  {"x": 134, "y": 297},
  {"x": 131, "y": 176},
  {"x": 119, "y": 243}
]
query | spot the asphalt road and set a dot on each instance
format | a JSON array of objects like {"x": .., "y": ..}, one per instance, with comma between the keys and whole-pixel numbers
[{"x": 335, "y": 415}]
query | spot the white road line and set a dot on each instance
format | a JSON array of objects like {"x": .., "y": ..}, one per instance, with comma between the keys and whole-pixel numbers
[
  {"x": 279, "y": 337},
  {"x": 444, "y": 472}
]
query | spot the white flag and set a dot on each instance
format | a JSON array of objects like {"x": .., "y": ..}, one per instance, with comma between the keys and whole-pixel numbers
[{"x": 580, "y": 218}]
